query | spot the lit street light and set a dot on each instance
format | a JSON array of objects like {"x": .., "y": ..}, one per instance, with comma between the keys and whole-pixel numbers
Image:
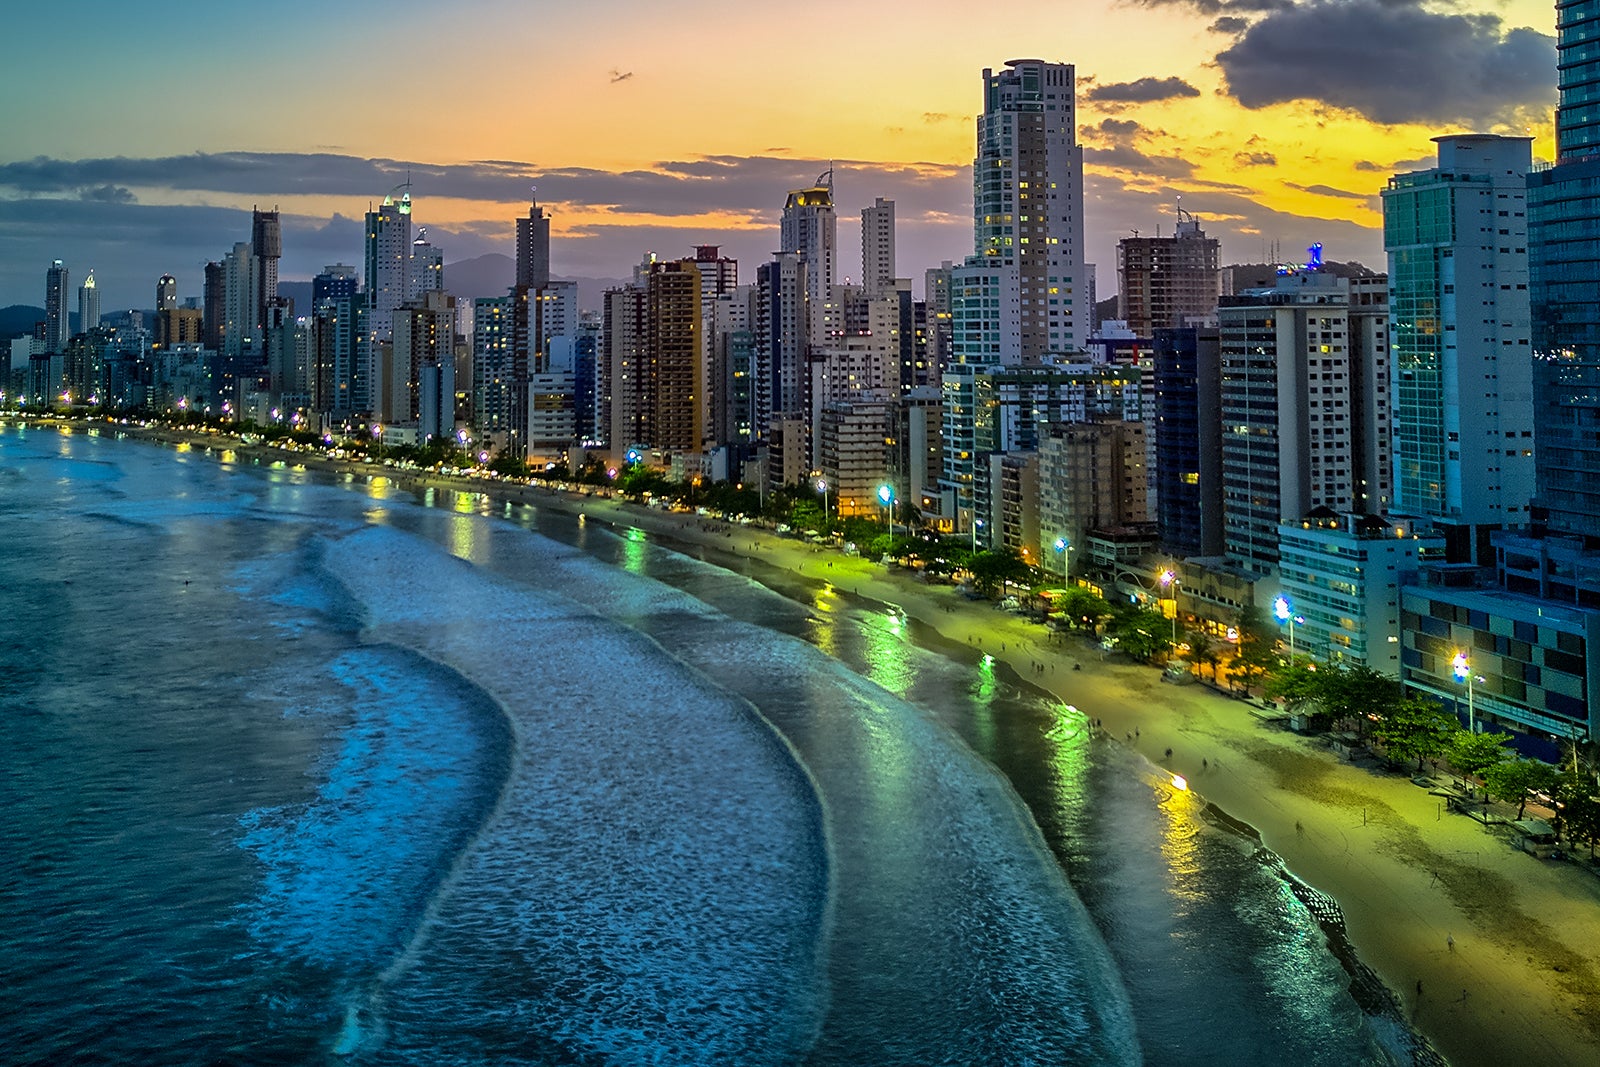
[
  {"x": 822, "y": 484},
  {"x": 976, "y": 524},
  {"x": 1462, "y": 668},
  {"x": 1170, "y": 581},
  {"x": 1064, "y": 547},
  {"x": 1285, "y": 613},
  {"x": 886, "y": 497}
]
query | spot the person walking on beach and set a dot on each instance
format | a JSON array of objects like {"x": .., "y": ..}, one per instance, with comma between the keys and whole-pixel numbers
[{"x": 1450, "y": 942}]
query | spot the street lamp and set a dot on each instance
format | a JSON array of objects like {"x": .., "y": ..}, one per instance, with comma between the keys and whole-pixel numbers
[
  {"x": 1063, "y": 546},
  {"x": 822, "y": 484},
  {"x": 886, "y": 496},
  {"x": 976, "y": 524},
  {"x": 1285, "y": 613},
  {"x": 1462, "y": 668},
  {"x": 1170, "y": 581},
  {"x": 377, "y": 435}
]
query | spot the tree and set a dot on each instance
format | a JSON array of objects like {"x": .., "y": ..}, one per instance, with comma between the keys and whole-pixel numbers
[
  {"x": 1202, "y": 650},
  {"x": 1513, "y": 779},
  {"x": 1475, "y": 754},
  {"x": 990, "y": 569},
  {"x": 1357, "y": 694},
  {"x": 1415, "y": 728},
  {"x": 1297, "y": 685},
  {"x": 1083, "y": 607},
  {"x": 1143, "y": 634}
]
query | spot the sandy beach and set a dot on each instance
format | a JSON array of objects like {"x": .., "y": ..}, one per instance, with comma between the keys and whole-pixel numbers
[{"x": 1504, "y": 948}]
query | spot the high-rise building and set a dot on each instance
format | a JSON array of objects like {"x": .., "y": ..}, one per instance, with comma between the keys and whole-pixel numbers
[
  {"x": 1164, "y": 280},
  {"x": 675, "y": 367},
  {"x": 810, "y": 230},
  {"x": 425, "y": 272},
  {"x": 1027, "y": 182},
  {"x": 1460, "y": 336},
  {"x": 88, "y": 304},
  {"x": 782, "y": 323},
  {"x": 337, "y": 281},
  {"x": 719, "y": 275},
  {"x": 239, "y": 330},
  {"x": 388, "y": 259},
  {"x": 877, "y": 247},
  {"x": 424, "y": 336},
  {"x": 626, "y": 339},
  {"x": 1286, "y": 411},
  {"x": 266, "y": 245},
  {"x": 533, "y": 248},
  {"x": 1564, "y": 276},
  {"x": 214, "y": 304},
  {"x": 1188, "y": 433},
  {"x": 57, "y": 316},
  {"x": 166, "y": 293}
]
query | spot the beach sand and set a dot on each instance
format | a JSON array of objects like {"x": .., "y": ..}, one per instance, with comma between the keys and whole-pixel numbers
[{"x": 1506, "y": 947}]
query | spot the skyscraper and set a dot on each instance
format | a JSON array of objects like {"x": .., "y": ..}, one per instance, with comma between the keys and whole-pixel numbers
[
  {"x": 1460, "y": 340},
  {"x": 166, "y": 293},
  {"x": 266, "y": 246},
  {"x": 57, "y": 320},
  {"x": 810, "y": 230},
  {"x": 425, "y": 272},
  {"x": 877, "y": 248},
  {"x": 88, "y": 304},
  {"x": 533, "y": 248},
  {"x": 1027, "y": 181},
  {"x": 214, "y": 304},
  {"x": 1564, "y": 276},
  {"x": 388, "y": 259},
  {"x": 1163, "y": 280}
]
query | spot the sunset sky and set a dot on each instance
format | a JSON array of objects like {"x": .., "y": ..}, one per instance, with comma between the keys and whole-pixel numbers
[{"x": 135, "y": 138}]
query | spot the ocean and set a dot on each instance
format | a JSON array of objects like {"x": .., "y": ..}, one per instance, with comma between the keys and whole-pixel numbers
[{"x": 301, "y": 768}]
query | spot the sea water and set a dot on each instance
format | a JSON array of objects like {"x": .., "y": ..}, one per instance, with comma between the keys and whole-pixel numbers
[{"x": 299, "y": 770}]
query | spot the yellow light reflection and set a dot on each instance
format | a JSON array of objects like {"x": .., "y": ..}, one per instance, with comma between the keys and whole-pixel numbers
[
  {"x": 633, "y": 542},
  {"x": 888, "y": 663},
  {"x": 1180, "y": 810},
  {"x": 825, "y": 621}
]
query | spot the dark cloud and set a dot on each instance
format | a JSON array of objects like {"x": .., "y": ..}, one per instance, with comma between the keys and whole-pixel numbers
[
  {"x": 1230, "y": 24},
  {"x": 1141, "y": 91},
  {"x": 1255, "y": 159},
  {"x": 1125, "y": 158},
  {"x": 108, "y": 194},
  {"x": 1393, "y": 61},
  {"x": 1328, "y": 190},
  {"x": 1119, "y": 127},
  {"x": 1222, "y": 7},
  {"x": 1403, "y": 166}
]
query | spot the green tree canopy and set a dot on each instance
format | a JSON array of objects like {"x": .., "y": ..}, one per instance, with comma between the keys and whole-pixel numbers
[
  {"x": 1083, "y": 607},
  {"x": 1415, "y": 728},
  {"x": 990, "y": 569},
  {"x": 1513, "y": 779},
  {"x": 1143, "y": 634},
  {"x": 1356, "y": 694},
  {"x": 1298, "y": 685},
  {"x": 1475, "y": 754}
]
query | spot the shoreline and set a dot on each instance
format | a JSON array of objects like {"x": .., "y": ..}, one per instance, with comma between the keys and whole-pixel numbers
[{"x": 1501, "y": 945}]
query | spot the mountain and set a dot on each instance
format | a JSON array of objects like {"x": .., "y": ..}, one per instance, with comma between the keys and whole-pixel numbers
[
  {"x": 487, "y": 275},
  {"x": 18, "y": 319}
]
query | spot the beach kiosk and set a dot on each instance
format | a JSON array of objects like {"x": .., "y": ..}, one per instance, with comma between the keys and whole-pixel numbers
[{"x": 1533, "y": 836}]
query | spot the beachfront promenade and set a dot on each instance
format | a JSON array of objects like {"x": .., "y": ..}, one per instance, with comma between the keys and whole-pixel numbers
[{"x": 1504, "y": 948}]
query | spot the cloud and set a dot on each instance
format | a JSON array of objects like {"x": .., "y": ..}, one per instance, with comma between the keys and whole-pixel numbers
[
  {"x": 1328, "y": 190},
  {"x": 1222, "y": 7},
  {"x": 108, "y": 194},
  {"x": 1255, "y": 159},
  {"x": 1393, "y": 61},
  {"x": 1141, "y": 91},
  {"x": 1119, "y": 127},
  {"x": 1127, "y": 159},
  {"x": 1230, "y": 24},
  {"x": 1402, "y": 166}
]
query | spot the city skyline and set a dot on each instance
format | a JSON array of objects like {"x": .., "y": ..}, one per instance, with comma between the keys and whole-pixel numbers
[{"x": 1277, "y": 124}]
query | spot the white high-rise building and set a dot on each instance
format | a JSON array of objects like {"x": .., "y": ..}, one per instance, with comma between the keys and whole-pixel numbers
[
  {"x": 810, "y": 229},
  {"x": 240, "y": 288},
  {"x": 877, "y": 248},
  {"x": 425, "y": 272},
  {"x": 388, "y": 261},
  {"x": 88, "y": 304},
  {"x": 1027, "y": 184}
]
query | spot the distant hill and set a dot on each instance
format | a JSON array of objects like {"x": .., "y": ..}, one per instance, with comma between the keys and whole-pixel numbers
[{"x": 18, "y": 319}]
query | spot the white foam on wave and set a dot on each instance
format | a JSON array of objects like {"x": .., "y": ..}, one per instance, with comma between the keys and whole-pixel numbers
[
  {"x": 987, "y": 952},
  {"x": 657, "y": 862}
]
